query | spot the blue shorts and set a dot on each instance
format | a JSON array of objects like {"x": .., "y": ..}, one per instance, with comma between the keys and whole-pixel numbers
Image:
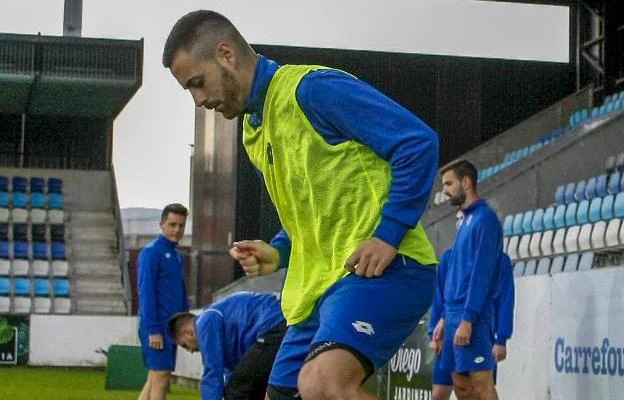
[
  {"x": 369, "y": 316},
  {"x": 477, "y": 356},
  {"x": 444, "y": 378},
  {"x": 158, "y": 360}
]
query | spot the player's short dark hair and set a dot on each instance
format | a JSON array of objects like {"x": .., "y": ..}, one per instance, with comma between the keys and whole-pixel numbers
[
  {"x": 177, "y": 322},
  {"x": 462, "y": 168},
  {"x": 205, "y": 26},
  {"x": 175, "y": 208}
]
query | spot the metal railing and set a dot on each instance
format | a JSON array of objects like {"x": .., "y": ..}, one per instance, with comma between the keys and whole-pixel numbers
[{"x": 121, "y": 245}]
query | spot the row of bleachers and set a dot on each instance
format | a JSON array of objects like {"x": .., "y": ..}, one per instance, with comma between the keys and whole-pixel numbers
[
  {"x": 599, "y": 186},
  {"x": 33, "y": 216},
  {"x": 24, "y": 250},
  {"x": 23, "y": 295},
  {"x": 52, "y": 201},
  {"x": 20, "y": 184},
  {"x": 32, "y": 232},
  {"x": 561, "y": 263},
  {"x": 33, "y": 268}
]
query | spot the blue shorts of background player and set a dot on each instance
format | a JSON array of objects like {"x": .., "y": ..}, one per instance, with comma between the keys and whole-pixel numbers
[
  {"x": 443, "y": 377},
  {"x": 369, "y": 317},
  {"x": 158, "y": 360}
]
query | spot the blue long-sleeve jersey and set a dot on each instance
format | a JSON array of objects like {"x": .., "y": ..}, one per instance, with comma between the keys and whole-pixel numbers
[
  {"x": 161, "y": 287},
  {"x": 342, "y": 108},
  {"x": 503, "y": 304},
  {"x": 473, "y": 273},
  {"x": 227, "y": 329}
]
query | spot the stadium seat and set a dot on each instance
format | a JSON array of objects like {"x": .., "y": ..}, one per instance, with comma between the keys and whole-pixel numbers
[
  {"x": 4, "y": 231},
  {"x": 512, "y": 248},
  {"x": 19, "y": 215},
  {"x": 57, "y": 232},
  {"x": 58, "y": 251},
  {"x": 534, "y": 245},
  {"x": 601, "y": 186},
  {"x": 530, "y": 267},
  {"x": 41, "y": 268},
  {"x": 60, "y": 268},
  {"x": 20, "y": 232},
  {"x": 61, "y": 288},
  {"x": 37, "y": 184},
  {"x": 523, "y": 247},
  {"x": 518, "y": 268},
  {"x": 4, "y": 214},
  {"x": 55, "y": 185},
  {"x": 543, "y": 266},
  {"x": 5, "y": 286},
  {"x": 612, "y": 236},
  {"x": 598, "y": 235},
  {"x": 571, "y": 239},
  {"x": 614, "y": 183},
  {"x": 619, "y": 162},
  {"x": 585, "y": 237},
  {"x": 19, "y": 184},
  {"x": 526, "y": 222},
  {"x": 21, "y": 287},
  {"x": 5, "y": 304},
  {"x": 606, "y": 210},
  {"x": 549, "y": 218},
  {"x": 559, "y": 241},
  {"x": 5, "y": 266},
  {"x": 62, "y": 306},
  {"x": 38, "y": 216},
  {"x": 517, "y": 224},
  {"x": 546, "y": 245},
  {"x": 42, "y": 287},
  {"x": 570, "y": 215},
  {"x": 42, "y": 305},
  {"x": 582, "y": 212},
  {"x": 4, "y": 199},
  {"x": 4, "y": 183},
  {"x": 571, "y": 263},
  {"x": 19, "y": 200},
  {"x": 20, "y": 250},
  {"x": 560, "y": 195},
  {"x": 20, "y": 267},
  {"x": 4, "y": 249},
  {"x": 587, "y": 261},
  {"x": 56, "y": 216},
  {"x": 579, "y": 194},
  {"x": 55, "y": 201},
  {"x": 22, "y": 305},
  {"x": 569, "y": 193},
  {"x": 618, "y": 206},
  {"x": 594, "y": 209},
  {"x": 40, "y": 250},
  {"x": 508, "y": 225},
  {"x": 38, "y": 232},
  {"x": 557, "y": 264},
  {"x": 37, "y": 201},
  {"x": 505, "y": 243},
  {"x": 590, "y": 189},
  {"x": 559, "y": 218},
  {"x": 538, "y": 220}
]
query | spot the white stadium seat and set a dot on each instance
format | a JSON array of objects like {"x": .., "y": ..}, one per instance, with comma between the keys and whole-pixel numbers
[
  {"x": 19, "y": 215},
  {"x": 523, "y": 248},
  {"x": 62, "y": 306},
  {"x": 612, "y": 236},
  {"x": 571, "y": 263},
  {"x": 571, "y": 239},
  {"x": 585, "y": 237},
  {"x": 534, "y": 246},
  {"x": 38, "y": 216},
  {"x": 546, "y": 245},
  {"x": 543, "y": 266},
  {"x": 42, "y": 305},
  {"x": 587, "y": 261},
  {"x": 22, "y": 305},
  {"x": 558, "y": 241},
  {"x": 56, "y": 217},
  {"x": 557, "y": 264},
  {"x": 518, "y": 268},
  {"x": 512, "y": 248},
  {"x": 531, "y": 267},
  {"x": 598, "y": 235}
]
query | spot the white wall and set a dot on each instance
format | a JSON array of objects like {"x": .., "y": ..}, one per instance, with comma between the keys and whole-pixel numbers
[{"x": 73, "y": 340}]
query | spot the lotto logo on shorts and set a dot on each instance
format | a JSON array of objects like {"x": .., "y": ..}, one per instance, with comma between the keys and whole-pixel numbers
[{"x": 364, "y": 327}]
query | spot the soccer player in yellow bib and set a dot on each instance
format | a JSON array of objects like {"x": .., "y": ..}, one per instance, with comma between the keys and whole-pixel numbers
[{"x": 350, "y": 172}]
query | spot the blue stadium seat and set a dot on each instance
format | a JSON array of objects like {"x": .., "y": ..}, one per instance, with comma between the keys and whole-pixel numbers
[
  {"x": 590, "y": 189},
  {"x": 559, "y": 218},
  {"x": 526, "y": 222},
  {"x": 601, "y": 186},
  {"x": 42, "y": 287},
  {"x": 606, "y": 210},
  {"x": 55, "y": 201},
  {"x": 584, "y": 114},
  {"x": 594, "y": 209},
  {"x": 560, "y": 195},
  {"x": 618, "y": 206},
  {"x": 538, "y": 220},
  {"x": 4, "y": 199},
  {"x": 40, "y": 250},
  {"x": 569, "y": 193},
  {"x": 20, "y": 250},
  {"x": 610, "y": 107},
  {"x": 602, "y": 110},
  {"x": 55, "y": 185},
  {"x": 570, "y": 215},
  {"x": 37, "y": 184},
  {"x": 579, "y": 194},
  {"x": 21, "y": 287},
  {"x": 525, "y": 152},
  {"x": 4, "y": 183},
  {"x": 19, "y": 184},
  {"x": 582, "y": 212},
  {"x": 508, "y": 225},
  {"x": 614, "y": 183},
  {"x": 19, "y": 200},
  {"x": 58, "y": 251},
  {"x": 549, "y": 218},
  {"x": 37, "y": 200},
  {"x": 4, "y": 249},
  {"x": 594, "y": 112},
  {"x": 5, "y": 286},
  {"x": 517, "y": 224},
  {"x": 621, "y": 182},
  {"x": 61, "y": 288}
]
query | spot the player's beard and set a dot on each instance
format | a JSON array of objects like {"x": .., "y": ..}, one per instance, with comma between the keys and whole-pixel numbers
[
  {"x": 458, "y": 199},
  {"x": 231, "y": 88}
]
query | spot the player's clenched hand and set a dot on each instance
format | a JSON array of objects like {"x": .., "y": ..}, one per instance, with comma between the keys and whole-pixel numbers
[
  {"x": 256, "y": 257},
  {"x": 463, "y": 334},
  {"x": 438, "y": 332},
  {"x": 371, "y": 258},
  {"x": 499, "y": 352},
  {"x": 436, "y": 346},
  {"x": 156, "y": 342}
]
